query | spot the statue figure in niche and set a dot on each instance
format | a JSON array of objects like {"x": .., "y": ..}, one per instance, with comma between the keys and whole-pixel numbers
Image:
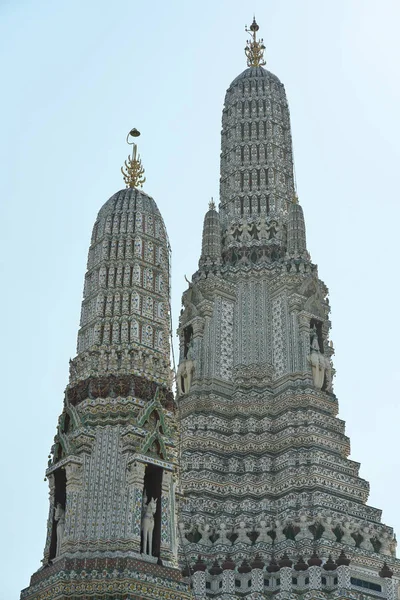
[
  {"x": 186, "y": 369},
  {"x": 59, "y": 517},
  {"x": 149, "y": 510},
  {"x": 328, "y": 374},
  {"x": 317, "y": 360}
]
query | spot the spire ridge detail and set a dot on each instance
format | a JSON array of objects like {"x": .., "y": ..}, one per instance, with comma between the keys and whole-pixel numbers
[
  {"x": 255, "y": 48},
  {"x": 133, "y": 172}
]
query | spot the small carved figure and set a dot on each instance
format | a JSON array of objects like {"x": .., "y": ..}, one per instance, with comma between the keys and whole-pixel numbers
[
  {"x": 328, "y": 373},
  {"x": 149, "y": 510},
  {"x": 244, "y": 229},
  {"x": 263, "y": 533},
  {"x": 347, "y": 538},
  {"x": 204, "y": 531},
  {"x": 242, "y": 536},
  {"x": 317, "y": 360},
  {"x": 386, "y": 541},
  {"x": 366, "y": 542},
  {"x": 230, "y": 237},
  {"x": 223, "y": 535},
  {"x": 279, "y": 535},
  {"x": 327, "y": 524},
  {"x": 272, "y": 231},
  {"x": 59, "y": 517},
  {"x": 184, "y": 376},
  {"x": 262, "y": 229},
  {"x": 304, "y": 533}
]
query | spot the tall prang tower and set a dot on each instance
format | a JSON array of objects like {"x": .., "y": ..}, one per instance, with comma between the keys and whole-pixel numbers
[
  {"x": 272, "y": 505},
  {"x": 112, "y": 473}
]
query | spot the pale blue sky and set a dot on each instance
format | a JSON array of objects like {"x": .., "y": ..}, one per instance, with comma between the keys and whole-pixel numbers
[{"x": 76, "y": 76}]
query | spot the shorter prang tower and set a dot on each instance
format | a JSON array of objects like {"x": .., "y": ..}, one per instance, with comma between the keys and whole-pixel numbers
[{"x": 112, "y": 473}]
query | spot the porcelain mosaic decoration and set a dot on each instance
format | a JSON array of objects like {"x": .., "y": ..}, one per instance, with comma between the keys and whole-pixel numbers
[{"x": 241, "y": 486}]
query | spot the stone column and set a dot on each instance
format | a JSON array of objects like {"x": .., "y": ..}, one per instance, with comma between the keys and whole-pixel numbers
[
  {"x": 228, "y": 578},
  {"x": 257, "y": 580},
  {"x": 304, "y": 331},
  {"x": 390, "y": 588},
  {"x": 314, "y": 574},
  {"x": 168, "y": 522},
  {"x": 285, "y": 575},
  {"x": 135, "y": 481},
  {"x": 50, "y": 519},
  {"x": 344, "y": 577},
  {"x": 296, "y": 339},
  {"x": 199, "y": 584},
  {"x": 74, "y": 473}
]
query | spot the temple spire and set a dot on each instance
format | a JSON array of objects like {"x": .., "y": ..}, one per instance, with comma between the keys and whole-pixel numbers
[
  {"x": 255, "y": 48},
  {"x": 211, "y": 246},
  {"x": 133, "y": 172}
]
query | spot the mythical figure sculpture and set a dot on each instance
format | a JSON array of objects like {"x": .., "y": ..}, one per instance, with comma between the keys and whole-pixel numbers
[
  {"x": 386, "y": 542},
  {"x": 320, "y": 364},
  {"x": 262, "y": 229},
  {"x": 244, "y": 229},
  {"x": 328, "y": 525},
  {"x": 223, "y": 535},
  {"x": 279, "y": 535},
  {"x": 263, "y": 533},
  {"x": 366, "y": 542},
  {"x": 149, "y": 510},
  {"x": 59, "y": 517},
  {"x": 304, "y": 533},
  {"x": 347, "y": 538},
  {"x": 204, "y": 531},
  {"x": 185, "y": 372},
  {"x": 242, "y": 536}
]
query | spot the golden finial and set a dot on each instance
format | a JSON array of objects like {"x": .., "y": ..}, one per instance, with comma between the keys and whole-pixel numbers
[
  {"x": 133, "y": 171},
  {"x": 255, "y": 48},
  {"x": 211, "y": 204}
]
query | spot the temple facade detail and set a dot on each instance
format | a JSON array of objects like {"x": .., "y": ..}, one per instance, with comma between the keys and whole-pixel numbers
[{"x": 230, "y": 478}]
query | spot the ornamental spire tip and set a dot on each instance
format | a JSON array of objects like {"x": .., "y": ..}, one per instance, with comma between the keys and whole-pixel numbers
[
  {"x": 133, "y": 171},
  {"x": 255, "y": 48}
]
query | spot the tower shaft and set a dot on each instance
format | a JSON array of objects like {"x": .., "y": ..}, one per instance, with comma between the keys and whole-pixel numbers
[{"x": 265, "y": 467}]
